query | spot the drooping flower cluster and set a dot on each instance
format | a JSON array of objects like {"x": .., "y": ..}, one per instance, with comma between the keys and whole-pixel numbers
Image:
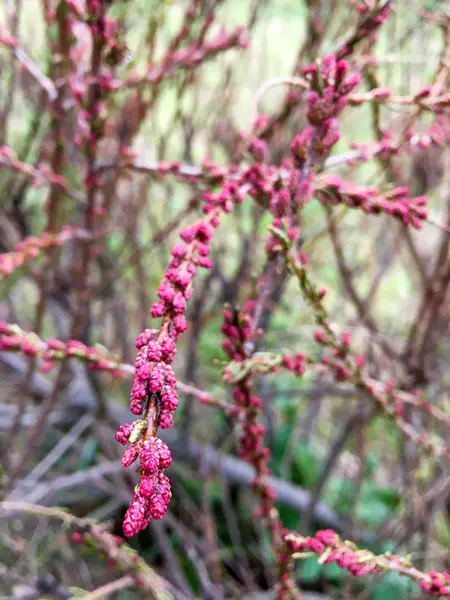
[
  {"x": 359, "y": 562},
  {"x": 153, "y": 493},
  {"x": 153, "y": 394}
]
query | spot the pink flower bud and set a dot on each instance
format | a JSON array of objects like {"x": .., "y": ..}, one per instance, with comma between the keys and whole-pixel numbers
[{"x": 130, "y": 455}]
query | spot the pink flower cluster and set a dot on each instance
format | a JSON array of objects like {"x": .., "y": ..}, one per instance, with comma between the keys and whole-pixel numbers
[
  {"x": 295, "y": 363},
  {"x": 342, "y": 363},
  {"x": 330, "y": 87},
  {"x": 236, "y": 327},
  {"x": 153, "y": 493},
  {"x": 337, "y": 552},
  {"x": 436, "y": 584},
  {"x": 153, "y": 394},
  {"x": 13, "y": 339},
  {"x": 331, "y": 189},
  {"x": 359, "y": 562},
  {"x": 153, "y": 373},
  {"x": 372, "y": 16}
]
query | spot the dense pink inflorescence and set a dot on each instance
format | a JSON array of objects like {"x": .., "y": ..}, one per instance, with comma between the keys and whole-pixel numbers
[{"x": 154, "y": 394}]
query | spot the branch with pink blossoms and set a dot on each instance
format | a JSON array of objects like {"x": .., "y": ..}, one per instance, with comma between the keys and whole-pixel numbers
[
  {"x": 40, "y": 175},
  {"x": 329, "y": 547},
  {"x": 188, "y": 58},
  {"x": 154, "y": 396},
  {"x": 329, "y": 189},
  {"x": 238, "y": 331},
  {"x": 330, "y": 86},
  {"x": 437, "y": 135},
  {"x": 31, "y": 247},
  {"x": 332, "y": 190},
  {"x": 208, "y": 172},
  {"x": 14, "y": 339},
  {"x": 96, "y": 537},
  {"x": 422, "y": 99},
  {"x": 348, "y": 366}
]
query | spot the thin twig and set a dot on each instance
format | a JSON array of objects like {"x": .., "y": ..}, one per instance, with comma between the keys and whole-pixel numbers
[{"x": 109, "y": 588}]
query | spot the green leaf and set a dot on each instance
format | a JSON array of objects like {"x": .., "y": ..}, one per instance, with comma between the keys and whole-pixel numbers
[
  {"x": 333, "y": 573},
  {"x": 305, "y": 469},
  {"x": 388, "y": 496},
  {"x": 340, "y": 493},
  {"x": 376, "y": 503},
  {"x": 289, "y": 516},
  {"x": 309, "y": 569},
  {"x": 190, "y": 573},
  {"x": 87, "y": 454},
  {"x": 280, "y": 445},
  {"x": 394, "y": 587},
  {"x": 442, "y": 529}
]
